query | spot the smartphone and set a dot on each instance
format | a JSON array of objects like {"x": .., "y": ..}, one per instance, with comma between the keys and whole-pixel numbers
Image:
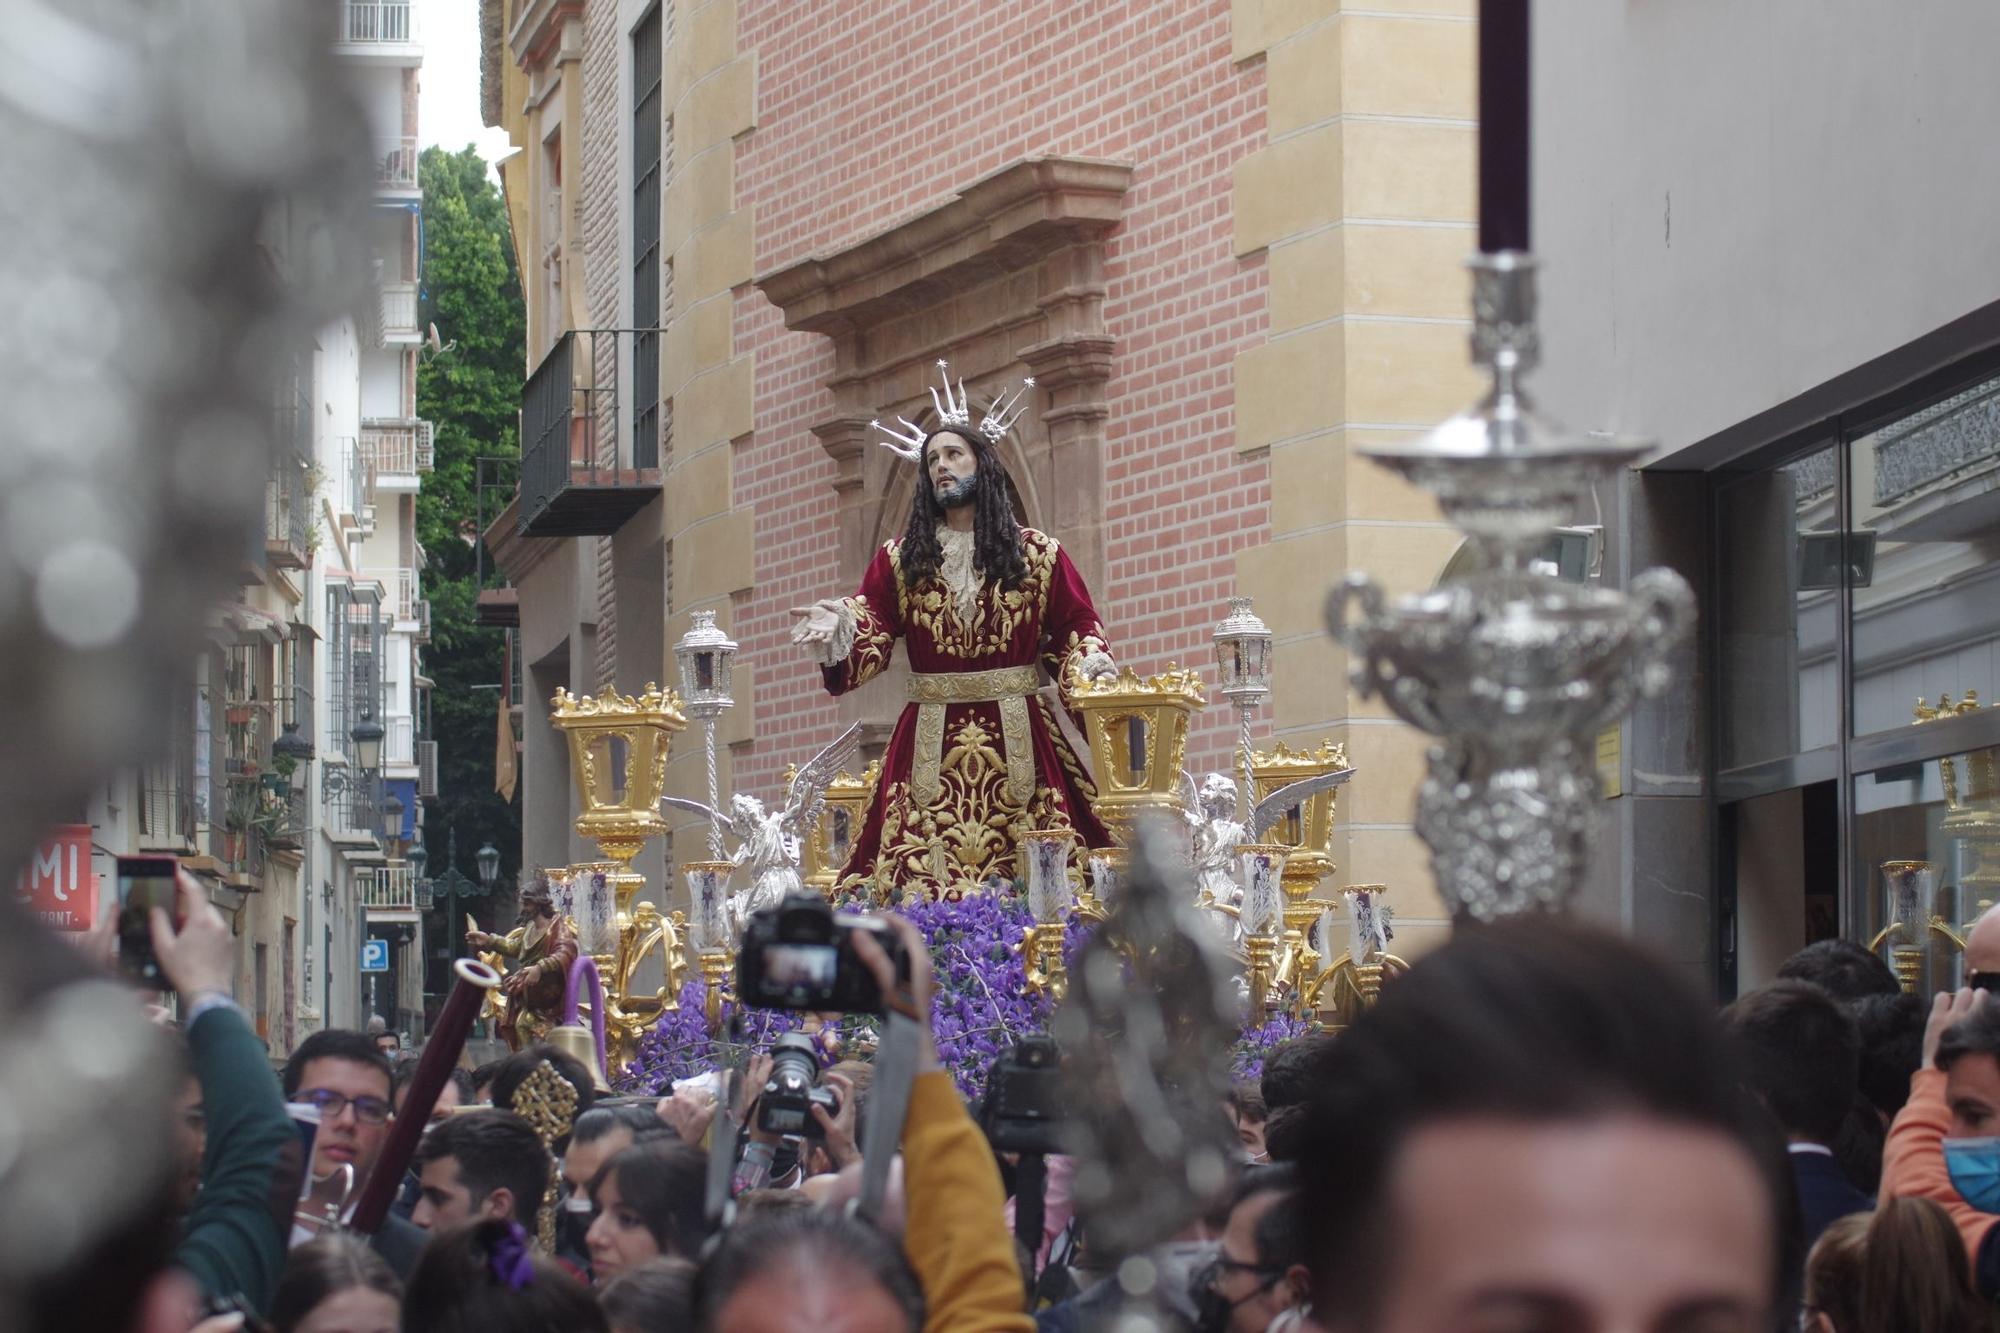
[{"x": 144, "y": 882}]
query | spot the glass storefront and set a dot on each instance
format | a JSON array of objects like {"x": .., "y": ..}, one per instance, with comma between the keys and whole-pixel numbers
[{"x": 1857, "y": 655}]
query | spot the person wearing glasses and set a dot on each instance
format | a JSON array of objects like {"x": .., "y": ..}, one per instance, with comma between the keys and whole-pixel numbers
[
  {"x": 344, "y": 1075},
  {"x": 1258, "y": 1279}
]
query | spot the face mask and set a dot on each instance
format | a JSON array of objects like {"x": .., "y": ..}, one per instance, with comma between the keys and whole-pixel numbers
[{"x": 1974, "y": 1165}]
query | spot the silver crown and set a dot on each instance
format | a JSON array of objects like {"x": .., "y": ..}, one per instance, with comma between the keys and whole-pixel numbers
[{"x": 954, "y": 408}]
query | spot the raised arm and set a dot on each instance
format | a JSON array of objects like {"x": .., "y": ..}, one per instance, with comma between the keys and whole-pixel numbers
[
  {"x": 853, "y": 637},
  {"x": 1073, "y": 646}
]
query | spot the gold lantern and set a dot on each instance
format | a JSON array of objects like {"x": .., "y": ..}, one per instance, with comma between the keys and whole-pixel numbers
[
  {"x": 1306, "y": 830},
  {"x": 618, "y": 747},
  {"x": 832, "y": 838},
  {"x": 1137, "y": 729},
  {"x": 1972, "y": 809}
]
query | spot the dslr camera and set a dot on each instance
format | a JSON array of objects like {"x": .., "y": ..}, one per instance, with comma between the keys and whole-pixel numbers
[
  {"x": 785, "y": 1102},
  {"x": 1022, "y": 1109},
  {"x": 800, "y": 955}
]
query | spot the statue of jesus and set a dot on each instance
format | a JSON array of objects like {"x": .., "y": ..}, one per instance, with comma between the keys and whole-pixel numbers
[{"x": 986, "y": 609}]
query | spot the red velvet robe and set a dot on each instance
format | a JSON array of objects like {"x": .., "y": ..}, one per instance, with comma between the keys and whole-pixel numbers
[{"x": 975, "y": 823}]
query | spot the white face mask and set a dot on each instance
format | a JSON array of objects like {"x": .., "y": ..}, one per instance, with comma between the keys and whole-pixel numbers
[{"x": 1289, "y": 1320}]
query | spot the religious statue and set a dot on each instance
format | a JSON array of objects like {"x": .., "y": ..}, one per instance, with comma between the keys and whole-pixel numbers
[
  {"x": 768, "y": 844},
  {"x": 986, "y": 608},
  {"x": 1211, "y": 815},
  {"x": 542, "y": 946}
]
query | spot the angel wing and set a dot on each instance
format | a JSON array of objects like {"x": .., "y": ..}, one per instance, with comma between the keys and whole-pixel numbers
[
  {"x": 1273, "y": 807},
  {"x": 808, "y": 794},
  {"x": 1190, "y": 798},
  {"x": 702, "y": 808}
]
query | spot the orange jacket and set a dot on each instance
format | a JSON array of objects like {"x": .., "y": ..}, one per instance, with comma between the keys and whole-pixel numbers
[
  {"x": 1913, "y": 1160},
  {"x": 955, "y": 1236}
]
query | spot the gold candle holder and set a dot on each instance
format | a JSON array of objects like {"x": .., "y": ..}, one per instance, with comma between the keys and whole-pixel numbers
[
  {"x": 1137, "y": 727},
  {"x": 715, "y": 966}
]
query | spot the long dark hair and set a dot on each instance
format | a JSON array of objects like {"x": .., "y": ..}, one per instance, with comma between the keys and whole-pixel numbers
[
  {"x": 996, "y": 533},
  {"x": 323, "y": 1268},
  {"x": 1900, "y": 1266},
  {"x": 664, "y": 1182}
]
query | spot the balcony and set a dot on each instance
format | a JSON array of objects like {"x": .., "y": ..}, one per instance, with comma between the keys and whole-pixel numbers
[
  {"x": 350, "y": 480},
  {"x": 398, "y": 452},
  {"x": 390, "y": 888},
  {"x": 376, "y": 21},
  {"x": 404, "y": 596},
  {"x": 399, "y": 744},
  {"x": 399, "y": 314},
  {"x": 590, "y": 434},
  {"x": 288, "y": 515}
]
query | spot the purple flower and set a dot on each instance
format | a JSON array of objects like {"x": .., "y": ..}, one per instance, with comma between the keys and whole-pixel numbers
[{"x": 982, "y": 1002}]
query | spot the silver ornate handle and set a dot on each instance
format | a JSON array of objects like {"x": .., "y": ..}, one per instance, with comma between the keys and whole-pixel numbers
[
  {"x": 1663, "y": 612},
  {"x": 1357, "y": 637}
]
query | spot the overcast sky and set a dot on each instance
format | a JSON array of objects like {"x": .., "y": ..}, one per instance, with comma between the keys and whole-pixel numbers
[{"x": 448, "y": 113}]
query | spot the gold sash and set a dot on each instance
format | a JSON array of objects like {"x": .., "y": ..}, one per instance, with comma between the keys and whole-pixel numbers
[{"x": 1010, "y": 687}]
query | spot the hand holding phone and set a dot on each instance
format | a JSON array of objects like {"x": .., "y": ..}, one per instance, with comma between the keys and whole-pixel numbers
[{"x": 144, "y": 883}]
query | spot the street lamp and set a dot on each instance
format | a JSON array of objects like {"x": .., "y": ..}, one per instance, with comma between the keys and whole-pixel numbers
[
  {"x": 453, "y": 885},
  {"x": 392, "y": 817},
  {"x": 367, "y": 737},
  {"x": 488, "y": 860}
]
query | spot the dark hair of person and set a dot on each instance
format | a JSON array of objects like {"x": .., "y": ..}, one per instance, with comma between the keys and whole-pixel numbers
[
  {"x": 598, "y": 1121},
  {"x": 323, "y": 1268},
  {"x": 664, "y": 1181},
  {"x": 752, "y": 1202},
  {"x": 1802, "y": 1054},
  {"x": 996, "y": 532},
  {"x": 1247, "y": 1101},
  {"x": 407, "y": 1067},
  {"x": 655, "y": 1296},
  {"x": 1533, "y": 1021},
  {"x": 1901, "y": 1266},
  {"x": 1892, "y": 1046},
  {"x": 779, "y": 1240},
  {"x": 335, "y": 1044},
  {"x": 1293, "y": 1070},
  {"x": 862, "y": 1075},
  {"x": 457, "y": 1287},
  {"x": 494, "y": 1150},
  {"x": 483, "y": 1076},
  {"x": 1285, "y": 1131},
  {"x": 516, "y": 1068},
  {"x": 1842, "y": 968},
  {"x": 1978, "y": 1033}
]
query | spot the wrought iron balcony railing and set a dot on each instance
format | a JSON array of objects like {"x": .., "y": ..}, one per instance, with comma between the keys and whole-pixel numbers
[
  {"x": 288, "y": 514},
  {"x": 591, "y": 437},
  {"x": 1953, "y": 437},
  {"x": 390, "y": 888}
]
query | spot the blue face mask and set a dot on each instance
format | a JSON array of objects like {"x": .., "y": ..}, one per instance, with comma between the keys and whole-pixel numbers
[{"x": 1975, "y": 1171}]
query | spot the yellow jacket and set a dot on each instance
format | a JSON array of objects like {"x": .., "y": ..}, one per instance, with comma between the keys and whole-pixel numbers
[{"x": 956, "y": 1234}]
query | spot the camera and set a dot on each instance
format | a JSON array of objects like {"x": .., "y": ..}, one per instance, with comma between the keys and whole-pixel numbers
[
  {"x": 800, "y": 955},
  {"x": 1022, "y": 1109},
  {"x": 785, "y": 1102}
]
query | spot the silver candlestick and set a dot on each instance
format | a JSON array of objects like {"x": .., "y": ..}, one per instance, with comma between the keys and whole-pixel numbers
[
  {"x": 1515, "y": 670},
  {"x": 706, "y": 657}
]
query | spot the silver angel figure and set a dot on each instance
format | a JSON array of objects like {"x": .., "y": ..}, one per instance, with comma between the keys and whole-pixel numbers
[
  {"x": 768, "y": 843},
  {"x": 1217, "y": 833}
]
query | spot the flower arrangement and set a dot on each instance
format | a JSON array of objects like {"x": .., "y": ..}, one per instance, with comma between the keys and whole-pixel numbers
[{"x": 982, "y": 1002}]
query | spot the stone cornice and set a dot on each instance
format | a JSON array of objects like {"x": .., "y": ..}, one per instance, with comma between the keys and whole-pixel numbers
[
  {"x": 539, "y": 29},
  {"x": 1003, "y": 223}
]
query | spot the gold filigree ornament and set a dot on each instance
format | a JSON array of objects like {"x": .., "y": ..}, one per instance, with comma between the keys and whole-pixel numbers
[
  {"x": 547, "y": 1102},
  {"x": 1138, "y": 728}
]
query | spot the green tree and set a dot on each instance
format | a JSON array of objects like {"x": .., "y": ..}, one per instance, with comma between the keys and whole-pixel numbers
[{"x": 471, "y": 393}]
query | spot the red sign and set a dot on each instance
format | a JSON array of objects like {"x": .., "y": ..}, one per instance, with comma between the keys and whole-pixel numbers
[{"x": 57, "y": 884}]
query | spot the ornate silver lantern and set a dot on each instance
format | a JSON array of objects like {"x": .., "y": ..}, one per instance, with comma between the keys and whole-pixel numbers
[
  {"x": 706, "y": 657},
  {"x": 1243, "y": 666}
]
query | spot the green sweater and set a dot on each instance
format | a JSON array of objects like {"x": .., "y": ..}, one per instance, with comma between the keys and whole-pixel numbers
[{"x": 235, "y": 1239}]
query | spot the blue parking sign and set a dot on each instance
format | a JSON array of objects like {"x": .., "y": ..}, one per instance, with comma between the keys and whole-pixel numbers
[{"x": 374, "y": 955}]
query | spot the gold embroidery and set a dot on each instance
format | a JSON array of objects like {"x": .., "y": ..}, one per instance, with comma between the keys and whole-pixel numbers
[
  {"x": 1002, "y": 611},
  {"x": 872, "y": 641},
  {"x": 1007, "y": 686}
]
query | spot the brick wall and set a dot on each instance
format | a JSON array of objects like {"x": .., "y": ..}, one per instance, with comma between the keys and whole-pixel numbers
[{"x": 868, "y": 121}]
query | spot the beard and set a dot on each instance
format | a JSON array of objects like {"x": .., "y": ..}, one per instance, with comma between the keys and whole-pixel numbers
[{"x": 957, "y": 492}]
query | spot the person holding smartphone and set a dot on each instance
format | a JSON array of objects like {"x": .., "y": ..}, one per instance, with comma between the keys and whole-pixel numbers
[{"x": 234, "y": 1242}]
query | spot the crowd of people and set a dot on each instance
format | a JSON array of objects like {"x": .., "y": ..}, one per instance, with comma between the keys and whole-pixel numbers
[{"x": 1540, "y": 1127}]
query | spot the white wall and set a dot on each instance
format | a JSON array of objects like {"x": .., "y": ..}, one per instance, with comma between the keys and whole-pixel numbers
[{"x": 1737, "y": 200}]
